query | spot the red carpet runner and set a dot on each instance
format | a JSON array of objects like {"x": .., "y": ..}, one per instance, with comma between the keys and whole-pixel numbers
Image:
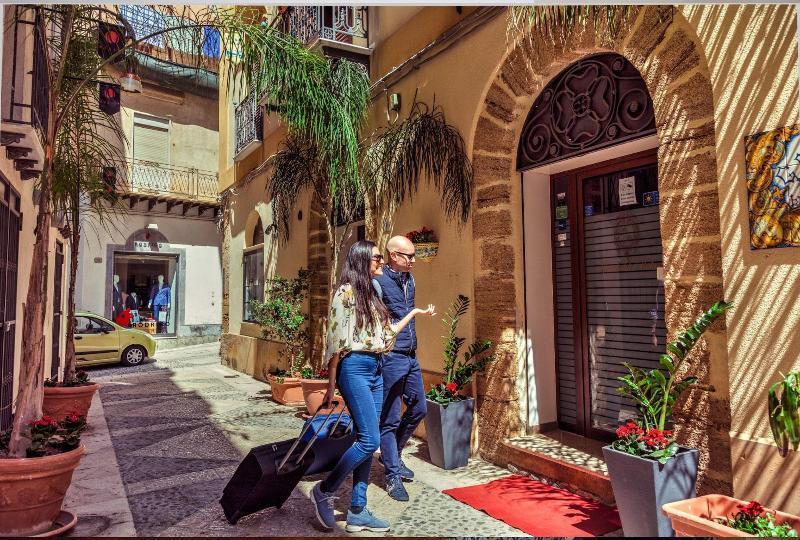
[{"x": 539, "y": 509}]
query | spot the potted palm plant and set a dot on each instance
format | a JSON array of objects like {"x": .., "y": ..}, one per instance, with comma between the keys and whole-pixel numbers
[
  {"x": 282, "y": 319},
  {"x": 33, "y": 487},
  {"x": 448, "y": 424},
  {"x": 647, "y": 467}
]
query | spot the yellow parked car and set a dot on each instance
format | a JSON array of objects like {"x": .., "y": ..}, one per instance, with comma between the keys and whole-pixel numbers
[{"x": 100, "y": 341}]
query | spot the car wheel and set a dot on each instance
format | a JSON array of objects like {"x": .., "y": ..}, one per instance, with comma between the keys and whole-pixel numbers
[{"x": 134, "y": 355}]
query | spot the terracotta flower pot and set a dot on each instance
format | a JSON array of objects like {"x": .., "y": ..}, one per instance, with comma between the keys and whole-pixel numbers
[
  {"x": 696, "y": 517},
  {"x": 62, "y": 400},
  {"x": 289, "y": 392},
  {"x": 313, "y": 394},
  {"x": 32, "y": 491}
]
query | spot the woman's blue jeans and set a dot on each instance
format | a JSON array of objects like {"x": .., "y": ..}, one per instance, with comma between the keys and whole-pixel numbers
[{"x": 361, "y": 384}]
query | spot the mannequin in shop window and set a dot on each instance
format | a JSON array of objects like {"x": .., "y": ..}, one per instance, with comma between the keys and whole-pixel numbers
[
  {"x": 160, "y": 299},
  {"x": 116, "y": 299}
]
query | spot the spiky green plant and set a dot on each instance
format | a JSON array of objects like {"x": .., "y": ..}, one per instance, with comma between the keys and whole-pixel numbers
[
  {"x": 656, "y": 391},
  {"x": 783, "y": 406}
]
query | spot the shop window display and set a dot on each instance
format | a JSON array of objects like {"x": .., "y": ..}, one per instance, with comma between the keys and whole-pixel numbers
[{"x": 145, "y": 294}]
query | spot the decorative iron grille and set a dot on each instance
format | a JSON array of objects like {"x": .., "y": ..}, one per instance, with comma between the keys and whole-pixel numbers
[
  {"x": 147, "y": 177},
  {"x": 249, "y": 122},
  {"x": 596, "y": 102},
  {"x": 345, "y": 24}
]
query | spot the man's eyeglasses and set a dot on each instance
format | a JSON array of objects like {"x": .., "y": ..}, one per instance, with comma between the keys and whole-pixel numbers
[
  {"x": 377, "y": 258},
  {"x": 409, "y": 256}
]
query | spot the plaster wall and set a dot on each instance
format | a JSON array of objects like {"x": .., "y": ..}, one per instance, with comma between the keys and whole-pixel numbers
[
  {"x": 194, "y": 124},
  {"x": 199, "y": 241},
  {"x": 752, "y": 56}
]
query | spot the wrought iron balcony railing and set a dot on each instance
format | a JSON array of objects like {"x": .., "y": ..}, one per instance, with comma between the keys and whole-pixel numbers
[
  {"x": 344, "y": 24},
  {"x": 28, "y": 100},
  {"x": 168, "y": 181},
  {"x": 249, "y": 125}
]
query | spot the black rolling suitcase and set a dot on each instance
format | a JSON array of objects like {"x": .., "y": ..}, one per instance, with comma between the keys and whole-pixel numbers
[{"x": 268, "y": 474}]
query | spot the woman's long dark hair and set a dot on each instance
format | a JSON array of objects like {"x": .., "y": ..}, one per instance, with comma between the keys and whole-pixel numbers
[{"x": 356, "y": 273}]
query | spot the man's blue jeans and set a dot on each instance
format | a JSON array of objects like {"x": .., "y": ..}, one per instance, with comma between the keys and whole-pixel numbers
[
  {"x": 360, "y": 382},
  {"x": 402, "y": 380}
]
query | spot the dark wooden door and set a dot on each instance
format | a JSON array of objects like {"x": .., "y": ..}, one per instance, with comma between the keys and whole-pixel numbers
[
  {"x": 58, "y": 310},
  {"x": 10, "y": 223},
  {"x": 608, "y": 289}
]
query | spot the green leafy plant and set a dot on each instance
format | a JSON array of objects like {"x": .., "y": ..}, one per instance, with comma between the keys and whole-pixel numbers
[
  {"x": 458, "y": 372},
  {"x": 310, "y": 373},
  {"x": 653, "y": 443},
  {"x": 783, "y": 404},
  {"x": 81, "y": 378},
  {"x": 754, "y": 519},
  {"x": 655, "y": 391},
  {"x": 282, "y": 319}
]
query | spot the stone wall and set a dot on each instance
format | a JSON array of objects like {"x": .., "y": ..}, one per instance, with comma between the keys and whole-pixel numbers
[{"x": 665, "y": 50}]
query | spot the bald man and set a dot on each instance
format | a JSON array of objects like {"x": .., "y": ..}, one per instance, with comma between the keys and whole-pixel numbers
[{"x": 402, "y": 377}]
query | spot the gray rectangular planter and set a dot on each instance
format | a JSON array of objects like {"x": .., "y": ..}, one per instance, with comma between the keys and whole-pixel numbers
[
  {"x": 448, "y": 429},
  {"x": 642, "y": 485}
]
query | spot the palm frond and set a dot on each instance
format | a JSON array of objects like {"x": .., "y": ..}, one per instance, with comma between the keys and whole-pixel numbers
[
  {"x": 422, "y": 145},
  {"x": 558, "y": 22},
  {"x": 296, "y": 168}
]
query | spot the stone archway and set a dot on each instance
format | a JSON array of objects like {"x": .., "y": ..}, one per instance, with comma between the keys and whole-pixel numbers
[{"x": 664, "y": 48}]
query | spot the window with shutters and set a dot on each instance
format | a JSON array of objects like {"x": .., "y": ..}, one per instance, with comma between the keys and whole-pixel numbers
[{"x": 151, "y": 152}]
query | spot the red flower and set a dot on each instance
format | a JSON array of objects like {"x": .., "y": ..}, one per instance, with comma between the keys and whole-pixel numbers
[
  {"x": 656, "y": 438},
  {"x": 451, "y": 387},
  {"x": 73, "y": 417},
  {"x": 753, "y": 509},
  {"x": 628, "y": 429},
  {"x": 45, "y": 421}
]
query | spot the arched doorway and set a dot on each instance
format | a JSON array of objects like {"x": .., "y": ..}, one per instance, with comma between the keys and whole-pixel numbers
[{"x": 581, "y": 148}]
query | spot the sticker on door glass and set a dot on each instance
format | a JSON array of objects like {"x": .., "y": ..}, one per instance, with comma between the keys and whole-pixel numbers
[
  {"x": 650, "y": 198},
  {"x": 561, "y": 212},
  {"x": 627, "y": 190}
]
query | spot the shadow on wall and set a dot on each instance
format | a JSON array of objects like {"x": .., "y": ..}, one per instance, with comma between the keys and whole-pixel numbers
[{"x": 763, "y": 284}]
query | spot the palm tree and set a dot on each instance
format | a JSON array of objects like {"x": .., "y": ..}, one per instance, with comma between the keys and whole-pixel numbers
[
  {"x": 255, "y": 55},
  {"x": 89, "y": 138}
]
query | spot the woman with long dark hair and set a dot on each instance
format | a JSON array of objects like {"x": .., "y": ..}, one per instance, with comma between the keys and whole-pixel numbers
[{"x": 359, "y": 331}]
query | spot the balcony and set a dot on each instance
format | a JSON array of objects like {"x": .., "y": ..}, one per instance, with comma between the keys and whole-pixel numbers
[
  {"x": 249, "y": 126},
  {"x": 138, "y": 180},
  {"x": 25, "y": 106},
  {"x": 339, "y": 24}
]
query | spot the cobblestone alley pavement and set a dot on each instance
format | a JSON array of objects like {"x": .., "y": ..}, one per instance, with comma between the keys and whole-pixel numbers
[{"x": 165, "y": 437}]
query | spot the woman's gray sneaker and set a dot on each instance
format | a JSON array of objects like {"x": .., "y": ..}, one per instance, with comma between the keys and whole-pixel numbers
[
  {"x": 365, "y": 521},
  {"x": 323, "y": 506},
  {"x": 396, "y": 489}
]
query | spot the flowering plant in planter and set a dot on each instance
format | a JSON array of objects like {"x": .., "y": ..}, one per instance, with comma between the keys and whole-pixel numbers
[
  {"x": 50, "y": 437},
  {"x": 81, "y": 379},
  {"x": 754, "y": 519},
  {"x": 653, "y": 443},
  {"x": 422, "y": 236},
  {"x": 656, "y": 391},
  {"x": 282, "y": 319},
  {"x": 309, "y": 373},
  {"x": 459, "y": 372}
]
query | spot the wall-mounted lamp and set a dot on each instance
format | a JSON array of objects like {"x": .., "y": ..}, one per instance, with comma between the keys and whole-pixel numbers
[
  {"x": 131, "y": 82},
  {"x": 394, "y": 102}
]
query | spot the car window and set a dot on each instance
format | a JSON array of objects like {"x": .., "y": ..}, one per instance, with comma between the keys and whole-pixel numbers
[
  {"x": 90, "y": 325},
  {"x": 83, "y": 325}
]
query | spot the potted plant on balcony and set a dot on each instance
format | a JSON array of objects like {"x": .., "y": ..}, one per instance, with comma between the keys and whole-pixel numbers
[
  {"x": 448, "y": 424},
  {"x": 70, "y": 396},
  {"x": 783, "y": 406},
  {"x": 425, "y": 244},
  {"x": 33, "y": 487},
  {"x": 647, "y": 467},
  {"x": 282, "y": 319}
]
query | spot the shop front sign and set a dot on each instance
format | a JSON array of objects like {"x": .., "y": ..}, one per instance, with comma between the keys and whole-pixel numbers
[{"x": 144, "y": 245}]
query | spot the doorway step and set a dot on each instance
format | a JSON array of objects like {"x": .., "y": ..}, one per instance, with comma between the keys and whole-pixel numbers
[{"x": 571, "y": 461}]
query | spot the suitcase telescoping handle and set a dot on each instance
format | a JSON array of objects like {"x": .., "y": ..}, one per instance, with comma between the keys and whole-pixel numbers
[{"x": 306, "y": 427}]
